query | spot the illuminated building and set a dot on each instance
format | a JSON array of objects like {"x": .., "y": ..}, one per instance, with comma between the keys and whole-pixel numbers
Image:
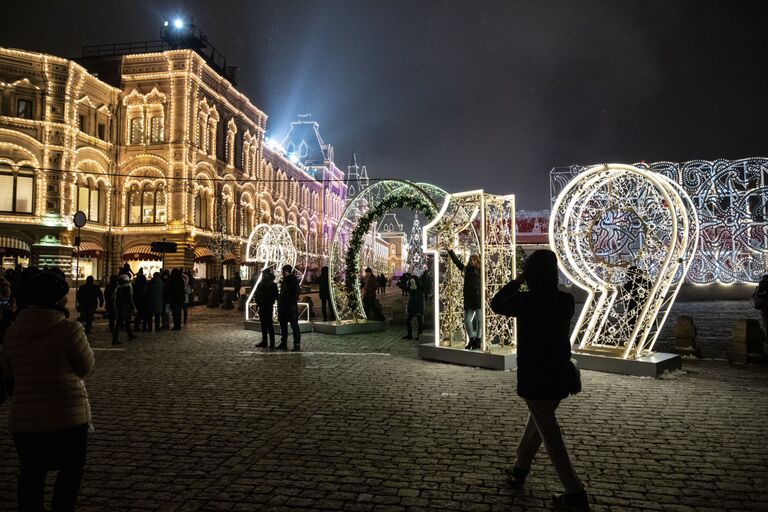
[
  {"x": 151, "y": 146},
  {"x": 391, "y": 230}
]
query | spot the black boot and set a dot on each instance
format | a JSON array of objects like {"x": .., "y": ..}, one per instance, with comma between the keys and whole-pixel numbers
[
  {"x": 296, "y": 348},
  {"x": 283, "y": 345},
  {"x": 263, "y": 344},
  {"x": 470, "y": 344},
  {"x": 576, "y": 501},
  {"x": 516, "y": 476},
  {"x": 478, "y": 344}
]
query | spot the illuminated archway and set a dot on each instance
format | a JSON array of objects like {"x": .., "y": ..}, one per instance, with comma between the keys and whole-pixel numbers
[{"x": 372, "y": 203}]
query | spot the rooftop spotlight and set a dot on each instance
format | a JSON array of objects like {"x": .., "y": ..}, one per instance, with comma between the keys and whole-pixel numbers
[
  {"x": 178, "y": 23},
  {"x": 294, "y": 158},
  {"x": 165, "y": 23}
]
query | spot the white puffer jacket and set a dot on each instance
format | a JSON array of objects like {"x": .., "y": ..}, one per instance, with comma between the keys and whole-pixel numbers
[{"x": 47, "y": 356}]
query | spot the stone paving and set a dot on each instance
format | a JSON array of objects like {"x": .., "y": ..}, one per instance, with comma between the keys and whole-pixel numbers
[{"x": 201, "y": 420}]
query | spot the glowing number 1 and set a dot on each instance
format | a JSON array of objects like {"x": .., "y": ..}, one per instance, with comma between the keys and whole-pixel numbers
[{"x": 472, "y": 223}]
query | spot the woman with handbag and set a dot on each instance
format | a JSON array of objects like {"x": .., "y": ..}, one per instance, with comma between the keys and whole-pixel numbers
[{"x": 545, "y": 375}]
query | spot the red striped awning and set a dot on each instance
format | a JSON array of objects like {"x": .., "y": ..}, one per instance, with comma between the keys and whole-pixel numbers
[
  {"x": 141, "y": 252},
  {"x": 89, "y": 250},
  {"x": 10, "y": 246}
]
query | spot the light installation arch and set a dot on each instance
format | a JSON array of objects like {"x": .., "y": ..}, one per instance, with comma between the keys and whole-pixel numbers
[
  {"x": 274, "y": 246},
  {"x": 370, "y": 204},
  {"x": 627, "y": 237}
]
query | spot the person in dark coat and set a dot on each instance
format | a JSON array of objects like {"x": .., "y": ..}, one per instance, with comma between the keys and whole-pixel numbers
[
  {"x": 140, "y": 300},
  {"x": 109, "y": 300},
  {"x": 237, "y": 283},
  {"x": 155, "y": 300},
  {"x": 124, "y": 307},
  {"x": 89, "y": 297},
  {"x": 543, "y": 354},
  {"x": 415, "y": 307},
  {"x": 265, "y": 296},
  {"x": 325, "y": 295},
  {"x": 473, "y": 298},
  {"x": 760, "y": 301},
  {"x": 370, "y": 284},
  {"x": 175, "y": 297},
  {"x": 288, "y": 309}
]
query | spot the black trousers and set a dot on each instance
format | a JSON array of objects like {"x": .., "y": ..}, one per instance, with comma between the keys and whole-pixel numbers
[
  {"x": 121, "y": 321},
  {"x": 176, "y": 314},
  {"x": 87, "y": 314},
  {"x": 419, "y": 323},
  {"x": 40, "y": 452},
  {"x": 294, "y": 321},
  {"x": 327, "y": 308},
  {"x": 267, "y": 326}
]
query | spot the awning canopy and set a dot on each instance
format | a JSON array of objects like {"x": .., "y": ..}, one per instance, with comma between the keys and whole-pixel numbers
[
  {"x": 10, "y": 246},
  {"x": 90, "y": 250},
  {"x": 141, "y": 252},
  {"x": 229, "y": 257},
  {"x": 203, "y": 254}
]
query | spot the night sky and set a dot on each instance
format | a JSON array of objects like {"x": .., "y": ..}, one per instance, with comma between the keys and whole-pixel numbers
[{"x": 464, "y": 94}]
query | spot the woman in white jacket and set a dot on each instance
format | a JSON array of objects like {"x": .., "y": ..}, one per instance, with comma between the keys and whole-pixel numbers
[{"x": 46, "y": 356}]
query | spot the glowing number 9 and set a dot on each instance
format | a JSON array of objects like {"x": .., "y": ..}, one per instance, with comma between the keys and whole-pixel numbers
[{"x": 626, "y": 236}]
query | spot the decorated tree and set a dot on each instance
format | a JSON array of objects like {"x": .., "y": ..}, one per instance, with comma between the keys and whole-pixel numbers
[{"x": 415, "y": 260}]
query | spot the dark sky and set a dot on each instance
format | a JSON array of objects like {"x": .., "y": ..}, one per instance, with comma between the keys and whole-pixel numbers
[{"x": 469, "y": 94}]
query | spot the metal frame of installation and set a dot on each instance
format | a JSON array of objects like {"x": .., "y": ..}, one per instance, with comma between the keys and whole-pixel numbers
[
  {"x": 627, "y": 236},
  {"x": 274, "y": 246}
]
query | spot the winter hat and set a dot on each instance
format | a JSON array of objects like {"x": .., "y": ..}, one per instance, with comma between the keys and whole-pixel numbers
[
  {"x": 45, "y": 289},
  {"x": 124, "y": 278}
]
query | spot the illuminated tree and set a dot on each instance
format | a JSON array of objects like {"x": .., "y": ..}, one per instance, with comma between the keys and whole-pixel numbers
[{"x": 415, "y": 261}]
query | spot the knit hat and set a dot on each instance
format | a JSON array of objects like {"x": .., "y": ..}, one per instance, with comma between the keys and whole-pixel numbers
[
  {"x": 124, "y": 278},
  {"x": 45, "y": 289}
]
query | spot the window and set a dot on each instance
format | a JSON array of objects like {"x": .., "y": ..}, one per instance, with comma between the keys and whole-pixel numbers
[
  {"x": 137, "y": 130},
  {"x": 91, "y": 200},
  {"x": 24, "y": 109},
  {"x": 201, "y": 210},
  {"x": 157, "y": 129},
  {"x": 101, "y": 130},
  {"x": 17, "y": 190},
  {"x": 147, "y": 205},
  {"x": 81, "y": 122}
]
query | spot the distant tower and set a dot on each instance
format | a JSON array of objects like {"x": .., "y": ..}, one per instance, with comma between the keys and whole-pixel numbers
[{"x": 353, "y": 178}]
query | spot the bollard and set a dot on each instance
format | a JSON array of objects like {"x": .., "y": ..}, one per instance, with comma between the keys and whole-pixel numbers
[
  {"x": 684, "y": 332},
  {"x": 228, "y": 298},
  {"x": 747, "y": 343}
]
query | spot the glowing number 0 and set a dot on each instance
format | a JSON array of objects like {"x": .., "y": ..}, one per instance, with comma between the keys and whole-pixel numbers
[{"x": 627, "y": 237}]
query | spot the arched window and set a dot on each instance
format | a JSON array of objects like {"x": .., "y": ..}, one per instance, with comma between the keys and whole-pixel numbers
[
  {"x": 201, "y": 208},
  {"x": 91, "y": 200},
  {"x": 137, "y": 130},
  {"x": 17, "y": 189},
  {"x": 147, "y": 205},
  {"x": 157, "y": 128}
]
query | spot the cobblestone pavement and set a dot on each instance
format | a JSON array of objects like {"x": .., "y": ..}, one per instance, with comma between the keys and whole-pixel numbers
[{"x": 201, "y": 420}]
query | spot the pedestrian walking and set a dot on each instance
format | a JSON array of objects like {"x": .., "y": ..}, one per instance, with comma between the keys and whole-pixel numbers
[
  {"x": 369, "y": 293},
  {"x": 7, "y": 315},
  {"x": 88, "y": 298},
  {"x": 325, "y": 295},
  {"x": 288, "y": 309},
  {"x": 176, "y": 297},
  {"x": 473, "y": 299},
  {"x": 760, "y": 301},
  {"x": 124, "y": 308},
  {"x": 166, "y": 316},
  {"x": 543, "y": 369},
  {"x": 140, "y": 285},
  {"x": 109, "y": 300},
  {"x": 187, "y": 297},
  {"x": 46, "y": 356},
  {"x": 155, "y": 301},
  {"x": 265, "y": 296},
  {"x": 415, "y": 307},
  {"x": 237, "y": 284}
]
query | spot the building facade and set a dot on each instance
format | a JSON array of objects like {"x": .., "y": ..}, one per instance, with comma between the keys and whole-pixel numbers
[{"x": 152, "y": 147}]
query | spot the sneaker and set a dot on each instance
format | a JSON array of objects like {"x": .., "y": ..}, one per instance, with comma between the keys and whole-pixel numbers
[{"x": 575, "y": 502}]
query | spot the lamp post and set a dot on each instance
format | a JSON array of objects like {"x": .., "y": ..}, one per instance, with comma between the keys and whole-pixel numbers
[{"x": 79, "y": 220}]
